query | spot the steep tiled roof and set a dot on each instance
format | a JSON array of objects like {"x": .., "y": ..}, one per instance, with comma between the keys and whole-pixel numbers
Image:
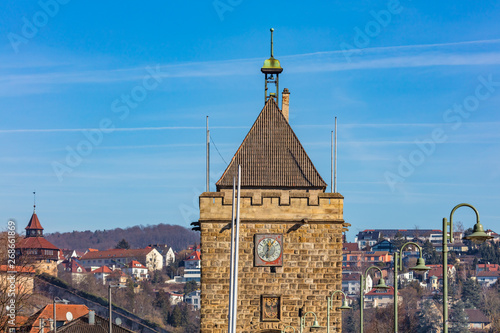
[
  {"x": 136, "y": 264},
  {"x": 350, "y": 247},
  {"x": 72, "y": 266},
  {"x": 102, "y": 269},
  {"x": 194, "y": 256},
  {"x": 34, "y": 223},
  {"x": 35, "y": 243},
  {"x": 81, "y": 325},
  {"x": 116, "y": 253},
  {"x": 382, "y": 292},
  {"x": 476, "y": 316},
  {"x": 271, "y": 156},
  {"x": 18, "y": 269},
  {"x": 77, "y": 310}
]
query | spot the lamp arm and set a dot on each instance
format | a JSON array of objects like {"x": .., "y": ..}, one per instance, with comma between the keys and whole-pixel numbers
[
  {"x": 453, "y": 211},
  {"x": 401, "y": 251}
]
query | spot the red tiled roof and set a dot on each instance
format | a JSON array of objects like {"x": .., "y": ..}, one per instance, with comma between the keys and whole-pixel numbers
[
  {"x": 350, "y": 247},
  {"x": 19, "y": 269},
  {"x": 77, "y": 310},
  {"x": 102, "y": 269},
  {"x": 116, "y": 253},
  {"x": 35, "y": 243},
  {"x": 381, "y": 292},
  {"x": 488, "y": 267},
  {"x": 437, "y": 270},
  {"x": 194, "y": 256},
  {"x": 271, "y": 156},
  {"x": 136, "y": 264},
  {"x": 72, "y": 266},
  {"x": 34, "y": 223}
]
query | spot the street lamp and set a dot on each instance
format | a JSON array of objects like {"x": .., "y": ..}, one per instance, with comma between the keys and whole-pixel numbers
[
  {"x": 110, "y": 305},
  {"x": 284, "y": 329},
  {"x": 303, "y": 321},
  {"x": 398, "y": 260},
  {"x": 478, "y": 236},
  {"x": 381, "y": 285},
  {"x": 57, "y": 300},
  {"x": 330, "y": 299}
]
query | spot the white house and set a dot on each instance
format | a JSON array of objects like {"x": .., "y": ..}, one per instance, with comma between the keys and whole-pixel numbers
[
  {"x": 192, "y": 267},
  {"x": 148, "y": 256},
  {"x": 193, "y": 298},
  {"x": 136, "y": 270}
]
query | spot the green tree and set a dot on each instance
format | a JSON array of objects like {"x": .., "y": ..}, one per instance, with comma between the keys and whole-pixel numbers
[
  {"x": 459, "y": 322},
  {"x": 398, "y": 240},
  {"x": 471, "y": 292},
  {"x": 123, "y": 244},
  {"x": 430, "y": 254},
  {"x": 429, "y": 319}
]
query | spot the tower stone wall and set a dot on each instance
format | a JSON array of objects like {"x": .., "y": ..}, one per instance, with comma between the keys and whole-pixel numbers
[{"x": 311, "y": 222}]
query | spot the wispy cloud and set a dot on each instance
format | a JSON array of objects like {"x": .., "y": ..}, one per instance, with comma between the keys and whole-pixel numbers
[{"x": 466, "y": 53}]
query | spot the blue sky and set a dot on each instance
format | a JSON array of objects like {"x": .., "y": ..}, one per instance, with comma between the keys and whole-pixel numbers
[{"x": 103, "y": 105}]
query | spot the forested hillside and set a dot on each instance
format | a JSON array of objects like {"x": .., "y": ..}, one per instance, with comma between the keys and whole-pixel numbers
[{"x": 137, "y": 237}]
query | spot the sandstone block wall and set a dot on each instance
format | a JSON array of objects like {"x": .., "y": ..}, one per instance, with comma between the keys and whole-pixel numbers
[{"x": 311, "y": 224}]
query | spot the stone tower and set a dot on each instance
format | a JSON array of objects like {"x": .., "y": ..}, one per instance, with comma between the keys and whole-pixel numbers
[{"x": 290, "y": 251}]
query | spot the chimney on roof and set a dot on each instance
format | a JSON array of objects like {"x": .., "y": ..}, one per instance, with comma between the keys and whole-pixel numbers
[
  {"x": 91, "y": 317},
  {"x": 285, "y": 102}
]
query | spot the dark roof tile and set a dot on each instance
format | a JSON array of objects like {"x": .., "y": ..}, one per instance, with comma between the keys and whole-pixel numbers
[{"x": 271, "y": 156}]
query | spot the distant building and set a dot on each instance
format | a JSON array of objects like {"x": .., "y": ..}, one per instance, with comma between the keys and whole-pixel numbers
[
  {"x": 148, "y": 256},
  {"x": 91, "y": 323},
  {"x": 102, "y": 273},
  {"x": 487, "y": 278},
  {"x": 477, "y": 320},
  {"x": 35, "y": 249},
  {"x": 166, "y": 251},
  {"x": 380, "y": 298},
  {"x": 192, "y": 267},
  {"x": 24, "y": 278},
  {"x": 136, "y": 270},
  {"x": 74, "y": 268},
  {"x": 436, "y": 271},
  {"x": 351, "y": 283},
  {"x": 193, "y": 298},
  {"x": 370, "y": 237},
  {"x": 43, "y": 318},
  {"x": 355, "y": 260},
  {"x": 384, "y": 245}
]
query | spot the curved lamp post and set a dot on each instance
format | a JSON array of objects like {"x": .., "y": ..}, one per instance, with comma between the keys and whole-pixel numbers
[
  {"x": 398, "y": 263},
  {"x": 478, "y": 236},
  {"x": 303, "y": 321},
  {"x": 381, "y": 285},
  {"x": 110, "y": 304},
  {"x": 330, "y": 300},
  {"x": 284, "y": 329}
]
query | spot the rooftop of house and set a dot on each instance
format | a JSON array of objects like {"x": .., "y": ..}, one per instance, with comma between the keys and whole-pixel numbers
[
  {"x": 194, "y": 256},
  {"x": 102, "y": 269},
  {"x": 381, "y": 292},
  {"x": 350, "y": 247},
  {"x": 62, "y": 310},
  {"x": 117, "y": 253},
  {"x": 36, "y": 243},
  {"x": 476, "y": 316},
  {"x": 83, "y": 325}
]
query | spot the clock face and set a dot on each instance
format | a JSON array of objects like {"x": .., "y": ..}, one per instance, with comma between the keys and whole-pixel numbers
[{"x": 268, "y": 250}]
